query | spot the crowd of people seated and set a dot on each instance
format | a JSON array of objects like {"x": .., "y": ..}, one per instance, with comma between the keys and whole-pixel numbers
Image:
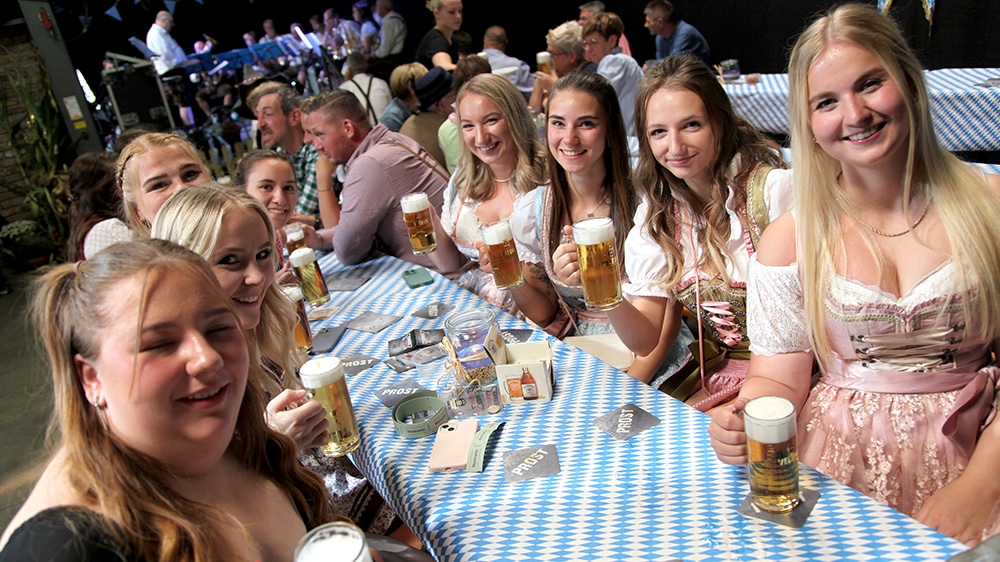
[{"x": 743, "y": 276}]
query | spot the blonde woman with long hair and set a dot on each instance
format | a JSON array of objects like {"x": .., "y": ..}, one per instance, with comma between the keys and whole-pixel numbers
[
  {"x": 888, "y": 276},
  {"x": 233, "y": 232},
  {"x": 500, "y": 160},
  {"x": 160, "y": 449},
  {"x": 150, "y": 169}
]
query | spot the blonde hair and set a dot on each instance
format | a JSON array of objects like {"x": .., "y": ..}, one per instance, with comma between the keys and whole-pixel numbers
[
  {"x": 193, "y": 218},
  {"x": 128, "y": 174},
  {"x": 734, "y": 136},
  {"x": 473, "y": 179},
  {"x": 404, "y": 78},
  {"x": 967, "y": 208},
  {"x": 71, "y": 307}
]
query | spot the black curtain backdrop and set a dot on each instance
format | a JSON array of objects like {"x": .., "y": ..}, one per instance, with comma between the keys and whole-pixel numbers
[{"x": 758, "y": 33}]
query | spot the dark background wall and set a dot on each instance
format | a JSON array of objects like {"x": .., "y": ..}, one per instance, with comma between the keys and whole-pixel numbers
[{"x": 758, "y": 33}]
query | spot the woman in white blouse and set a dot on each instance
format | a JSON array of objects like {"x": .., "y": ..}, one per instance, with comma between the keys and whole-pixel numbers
[
  {"x": 501, "y": 159},
  {"x": 710, "y": 185}
]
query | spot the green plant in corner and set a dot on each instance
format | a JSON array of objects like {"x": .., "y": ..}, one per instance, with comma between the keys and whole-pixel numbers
[
  {"x": 37, "y": 140},
  {"x": 25, "y": 241}
]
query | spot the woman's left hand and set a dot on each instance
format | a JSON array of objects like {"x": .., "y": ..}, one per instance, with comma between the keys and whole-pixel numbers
[
  {"x": 958, "y": 510},
  {"x": 565, "y": 260},
  {"x": 484, "y": 257}
]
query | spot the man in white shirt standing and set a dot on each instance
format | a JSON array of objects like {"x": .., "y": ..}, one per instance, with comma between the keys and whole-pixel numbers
[
  {"x": 169, "y": 54},
  {"x": 391, "y": 39},
  {"x": 171, "y": 60}
]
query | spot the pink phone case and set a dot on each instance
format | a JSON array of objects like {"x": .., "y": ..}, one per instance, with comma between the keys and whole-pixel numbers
[{"x": 451, "y": 446}]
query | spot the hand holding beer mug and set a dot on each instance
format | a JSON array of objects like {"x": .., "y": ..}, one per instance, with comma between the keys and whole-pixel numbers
[
  {"x": 599, "y": 274},
  {"x": 324, "y": 379},
  {"x": 419, "y": 223},
  {"x": 772, "y": 457},
  {"x": 544, "y": 60},
  {"x": 503, "y": 255}
]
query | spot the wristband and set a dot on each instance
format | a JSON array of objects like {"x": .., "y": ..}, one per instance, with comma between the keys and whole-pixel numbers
[{"x": 423, "y": 401}]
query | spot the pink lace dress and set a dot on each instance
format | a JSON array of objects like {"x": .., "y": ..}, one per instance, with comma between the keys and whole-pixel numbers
[{"x": 908, "y": 390}]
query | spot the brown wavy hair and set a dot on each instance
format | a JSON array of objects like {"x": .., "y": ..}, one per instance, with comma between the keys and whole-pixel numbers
[{"x": 734, "y": 136}]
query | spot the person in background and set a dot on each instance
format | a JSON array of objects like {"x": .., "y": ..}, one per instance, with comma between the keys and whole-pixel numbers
[
  {"x": 495, "y": 46},
  {"x": 886, "y": 275},
  {"x": 600, "y": 34},
  {"x": 673, "y": 35},
  {"x": 436, "y": 48},
  {"x": 463, "y": 44},
  {"x": 269, "y": 177},
  {"x": 95, "y": 198},
  {"x": 369, "y": 31},
  {"x": 150, "y": 169},
  {"x": 391, "y": 39},
  {"x": 372, "y": 92},
  {"x": 269, "y": 32},
  {"x": 279, "y": 120},
  {"x": 170, "y": 61},
  {"x": 568, "y": 51},
  {"x": 448, "y": 134},
  {"x": 501, "y": 159},
  {"x": 436, "y": 98},
  {"x": 589, "y": 9},
  {"x": 150, "y": 373},
  {"x": 380, "y": 167},
  {"x": 402, "y": 82},
  {"x": 710, "y": 185}
]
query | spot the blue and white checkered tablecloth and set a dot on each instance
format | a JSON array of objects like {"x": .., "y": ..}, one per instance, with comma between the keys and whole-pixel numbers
[
  {"x": 966, "y": 116},
  {"x": 661, "y": 495}
]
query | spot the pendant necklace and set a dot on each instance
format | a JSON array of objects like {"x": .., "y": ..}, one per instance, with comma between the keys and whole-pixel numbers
[{"x": 590, "y": 215}]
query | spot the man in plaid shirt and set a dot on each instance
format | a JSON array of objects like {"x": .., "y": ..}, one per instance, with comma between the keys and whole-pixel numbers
[{"x": 279, "y": 120}]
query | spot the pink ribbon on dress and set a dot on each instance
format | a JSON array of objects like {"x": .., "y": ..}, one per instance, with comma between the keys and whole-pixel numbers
[{"x": 722, "y": 317}]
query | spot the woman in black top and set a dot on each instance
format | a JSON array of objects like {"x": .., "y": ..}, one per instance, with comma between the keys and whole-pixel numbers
[{"x": 437, "y": 48}]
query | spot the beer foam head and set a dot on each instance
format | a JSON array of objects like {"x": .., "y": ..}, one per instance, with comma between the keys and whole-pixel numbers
[
  {"x": 543, "y": 57},
  {"x": 295, "y": 234},
  {"x": 769, "y": 419},
  {"x": 332, "y": 541},
  {"x": 414, "y": 202},
  {"x": 293, "y": 293},
  {"x": 320, "y": 372},
  {"x": 302, "y": 256},
  {"x": 497, "y": 233},
  {"x": 593, "y": 231}
]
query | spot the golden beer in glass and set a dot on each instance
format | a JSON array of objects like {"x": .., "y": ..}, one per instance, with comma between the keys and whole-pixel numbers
[
  {"x": 599, "y": 274},
  {"x": 544, "y": 60},
  {"x": 772, "y": 458},
  {"x": 503, "y": 255},
  {"x": 324, "y": 378},
  {"x": 419, "y": 226},
  {"x": 302, "y": 330}
]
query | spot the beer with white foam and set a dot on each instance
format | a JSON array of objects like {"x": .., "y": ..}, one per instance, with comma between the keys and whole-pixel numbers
[
  {"x": 599, "y": 273},
  {"x": 324, "y": 378},
  {"x": 772, "y": 458},
  {"x": 503, "y": 255},
  {"x": 544, "y": 60},
  {"x": 419, "y": 225}
]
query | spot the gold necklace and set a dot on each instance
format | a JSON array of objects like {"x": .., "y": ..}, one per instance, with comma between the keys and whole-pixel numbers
[{"x": 894, "y": 234}]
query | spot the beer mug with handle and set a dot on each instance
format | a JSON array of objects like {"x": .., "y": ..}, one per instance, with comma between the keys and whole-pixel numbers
[{"x": 772, "y": 457}]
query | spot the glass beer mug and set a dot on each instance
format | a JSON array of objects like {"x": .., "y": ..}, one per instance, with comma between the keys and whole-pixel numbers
[
  {"x": 503, "y": 255},
  {"x": 599, "y": 272},
  {"x": 772, "y": 457},
  {"x": 324, "y": 378},
  {"x": 419, "y": 226}
]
